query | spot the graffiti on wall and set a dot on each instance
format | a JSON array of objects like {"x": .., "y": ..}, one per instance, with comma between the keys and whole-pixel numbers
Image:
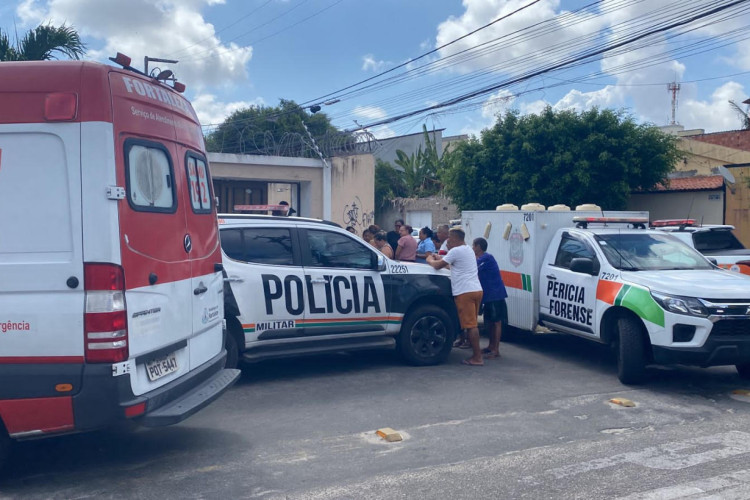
[{"x": 357, "y": 218}]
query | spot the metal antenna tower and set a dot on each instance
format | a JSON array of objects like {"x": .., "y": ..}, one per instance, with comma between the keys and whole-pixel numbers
[{"x": 674, "y": 88}]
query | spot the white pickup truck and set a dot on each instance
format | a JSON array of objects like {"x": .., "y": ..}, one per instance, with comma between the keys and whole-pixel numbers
[
  {"x": 604, "y": 277},
  {"x": 716, "y": 242}
]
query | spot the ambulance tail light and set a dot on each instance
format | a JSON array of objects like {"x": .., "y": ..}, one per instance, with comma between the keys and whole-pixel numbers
[
  {"x": 60, "y": 107},
  {"x": 105, "y": 317}
]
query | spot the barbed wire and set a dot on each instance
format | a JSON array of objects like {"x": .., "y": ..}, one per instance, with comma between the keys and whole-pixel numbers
[{"x": 239, "y": 139}]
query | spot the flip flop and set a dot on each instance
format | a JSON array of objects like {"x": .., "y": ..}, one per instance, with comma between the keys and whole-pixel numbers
[
  {"x": 486, "y": 350},
  {"x": 469, "y": 363},
  {"x": 490, "y": 355}
]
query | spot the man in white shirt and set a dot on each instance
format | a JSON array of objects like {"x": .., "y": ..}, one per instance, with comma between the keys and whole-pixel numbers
[{"x": 467, "y": 290}]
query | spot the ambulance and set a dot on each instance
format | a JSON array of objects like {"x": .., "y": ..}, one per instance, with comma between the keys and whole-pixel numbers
[
  {"x": 298, "y": 286},
  {"x": 111, "y": 288},
  {"x": 604, "y": 277}
]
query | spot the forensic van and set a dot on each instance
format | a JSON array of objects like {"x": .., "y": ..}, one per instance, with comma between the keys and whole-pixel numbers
[
  {"x": 111, "y": 288},
  {"x": 301, "y": 286},
  {"x": 603, "y": 276}
]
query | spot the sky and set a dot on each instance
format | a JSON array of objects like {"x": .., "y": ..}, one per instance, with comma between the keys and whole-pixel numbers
[{"x": 523, "y": 55}]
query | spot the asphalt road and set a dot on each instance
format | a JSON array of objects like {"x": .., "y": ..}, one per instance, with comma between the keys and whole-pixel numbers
[{"x": 536, "y": 423}]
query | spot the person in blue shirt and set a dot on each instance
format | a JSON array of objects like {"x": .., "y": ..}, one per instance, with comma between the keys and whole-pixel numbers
[
  {"x": 493, "y": 298},
  {"x": 425, "y": 246}
]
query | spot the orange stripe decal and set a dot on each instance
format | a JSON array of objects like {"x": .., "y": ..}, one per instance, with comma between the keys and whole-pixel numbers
[
  {"x": 607, "y": 291},
  {"x": 512, "y": 280}
]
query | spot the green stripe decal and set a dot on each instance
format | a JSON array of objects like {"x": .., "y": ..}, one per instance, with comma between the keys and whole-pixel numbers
[
  {"x": 621, "y": 295},
  {"x": 640, "y": 302},
  {"x": 528, "y": 281}
]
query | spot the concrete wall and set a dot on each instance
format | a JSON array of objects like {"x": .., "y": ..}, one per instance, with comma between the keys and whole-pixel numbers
[
  {"x": 707, "y": 206},
  {"x": 409, "y": 144},
  {"x": 353, "y": 191},
  {"x": 443, "y": 210}
]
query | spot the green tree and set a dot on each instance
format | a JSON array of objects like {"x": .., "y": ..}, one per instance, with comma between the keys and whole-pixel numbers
[
  {"x": 42, "y": 43},
  {"x": 389, "y": 183},
  {"x": 260, "y": 129},
  {"x": 422, "y": 168},
  {"x": 596, "y": 156}
]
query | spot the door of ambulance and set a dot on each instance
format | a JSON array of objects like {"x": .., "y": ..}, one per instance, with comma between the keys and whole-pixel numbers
[
  {"x": 41, "y": 256},
  {"x": 263, "y": 268},
  {"x": 567, "y": 299},
  {"x": 154, "y": 244},
  {"x": 205, "y": 259},
  {"x": 346, "y": 289}
]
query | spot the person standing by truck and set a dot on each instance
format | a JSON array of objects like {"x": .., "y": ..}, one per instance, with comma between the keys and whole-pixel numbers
[
  {"x": 467, "y": 290},
  {"x": 493, "y": 297}
]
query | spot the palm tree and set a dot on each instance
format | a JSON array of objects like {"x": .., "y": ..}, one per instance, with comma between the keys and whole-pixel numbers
[
  {"x": 743, "y": 114},
  {"x": 42, "y": 43}
]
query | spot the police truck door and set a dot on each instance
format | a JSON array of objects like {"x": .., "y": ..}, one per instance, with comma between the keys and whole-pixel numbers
[
  {"x": 267, "y": 280},
  {"x": 344, "y": 288}
]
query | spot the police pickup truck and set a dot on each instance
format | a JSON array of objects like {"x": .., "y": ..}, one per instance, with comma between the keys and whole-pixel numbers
[
  {"x": 643, "y": 291},
  {"x": 301, "y": 286},
  {"x": 715, "y": 241}
]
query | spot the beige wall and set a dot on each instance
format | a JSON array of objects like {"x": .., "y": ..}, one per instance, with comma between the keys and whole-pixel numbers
[
  {"x": 353, "y": 191},
  {"x": 352, "y": 182},
  {"x": 707, "y": 206},
  {"x": 702, "y": 157}
]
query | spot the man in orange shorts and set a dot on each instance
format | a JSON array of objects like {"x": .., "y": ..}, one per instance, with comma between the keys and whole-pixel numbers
[{"x": 467, "y": 290}]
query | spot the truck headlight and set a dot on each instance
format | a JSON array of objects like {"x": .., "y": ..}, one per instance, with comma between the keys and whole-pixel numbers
[{"x": 680, "y": 305}]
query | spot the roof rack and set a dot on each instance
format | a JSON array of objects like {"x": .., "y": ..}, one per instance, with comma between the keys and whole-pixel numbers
[{"x": 637, "y": 222}]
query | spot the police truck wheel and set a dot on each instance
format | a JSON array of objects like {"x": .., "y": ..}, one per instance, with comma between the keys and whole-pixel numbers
[
  {"x": 631, "y": 352},
  {"x": 743, "y": 370},
  {"x": 426, "y": 336}
]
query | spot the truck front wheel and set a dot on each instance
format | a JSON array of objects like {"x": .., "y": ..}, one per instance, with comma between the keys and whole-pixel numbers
[
  {"x": 631, "y": 352},
  {"x": 426, "y": 336}
]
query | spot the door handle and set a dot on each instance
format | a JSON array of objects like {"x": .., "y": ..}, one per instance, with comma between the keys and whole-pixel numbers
[
  {"x": 233, "y": 279},
  {"x": 201, "y": 289},
  {"x": 551, "y": 277},
  {"x": 318, "y": 280}
]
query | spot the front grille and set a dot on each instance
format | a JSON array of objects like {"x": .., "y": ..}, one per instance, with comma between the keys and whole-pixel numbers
[{"x": 731, "y": 328}]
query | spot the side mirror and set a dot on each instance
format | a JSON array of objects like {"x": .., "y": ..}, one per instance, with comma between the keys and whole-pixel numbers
[
  {"x": 583, "y": 265},
  {"x": 381, "y": 263},
  {"x": 713, "y": 261}
]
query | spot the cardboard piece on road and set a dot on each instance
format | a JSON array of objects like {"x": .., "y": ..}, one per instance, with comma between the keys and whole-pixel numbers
[
  {"x": 389, "y": 434},
  {"x": 622, "y": 402}
]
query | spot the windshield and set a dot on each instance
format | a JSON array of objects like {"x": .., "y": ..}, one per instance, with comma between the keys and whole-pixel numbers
[
  {"x": 711, "y": 241},
  {"x": 649, "y": 252}
]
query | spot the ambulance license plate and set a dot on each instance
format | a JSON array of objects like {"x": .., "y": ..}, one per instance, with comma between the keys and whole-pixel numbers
[{"x": 161, "y": 367}]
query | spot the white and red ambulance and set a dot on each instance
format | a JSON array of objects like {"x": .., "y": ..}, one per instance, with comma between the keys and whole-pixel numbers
[{"x": 111, "y": 296}]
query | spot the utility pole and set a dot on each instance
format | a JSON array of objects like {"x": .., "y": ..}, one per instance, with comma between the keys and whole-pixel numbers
[
  {"x": 674, "y": 89},
  {"x": 326, "y": 176}
]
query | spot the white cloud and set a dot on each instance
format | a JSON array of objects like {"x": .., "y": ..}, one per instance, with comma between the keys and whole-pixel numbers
[
  {"x": 212, "y": 112},
  {"x": 370, "y": 112},
  {"x": 369, "y": 63},
  {"x": 382, "y": 132},
  {"x": 497, "y": 103},
  {"x": 608, "y": 97},
  {"x": 521, "y": 52},
  {"x": 171, "y": 29},
  {"x": 714, "y": 114}
]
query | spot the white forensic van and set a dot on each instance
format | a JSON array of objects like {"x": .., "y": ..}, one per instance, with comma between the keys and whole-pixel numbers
[
  {"x": 604, "y": 277},
  {"x": 111, "y": 296},
  {"x": 301, "y": 286}
]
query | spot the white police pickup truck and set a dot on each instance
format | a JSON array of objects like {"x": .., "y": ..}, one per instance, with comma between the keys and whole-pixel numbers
[
  {"x": 715, "y": 241},
  {"x": 301, "y": 286},
  {"x": 643, "y": 291}
]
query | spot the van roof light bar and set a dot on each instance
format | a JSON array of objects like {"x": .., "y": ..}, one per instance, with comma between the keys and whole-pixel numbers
[{"x": 637, "y": 222}]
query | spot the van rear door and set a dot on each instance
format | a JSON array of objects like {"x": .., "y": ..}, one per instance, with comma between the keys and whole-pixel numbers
[
  {"x": 41, "y": 263},
  {"x": 205, "y": 258}
]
